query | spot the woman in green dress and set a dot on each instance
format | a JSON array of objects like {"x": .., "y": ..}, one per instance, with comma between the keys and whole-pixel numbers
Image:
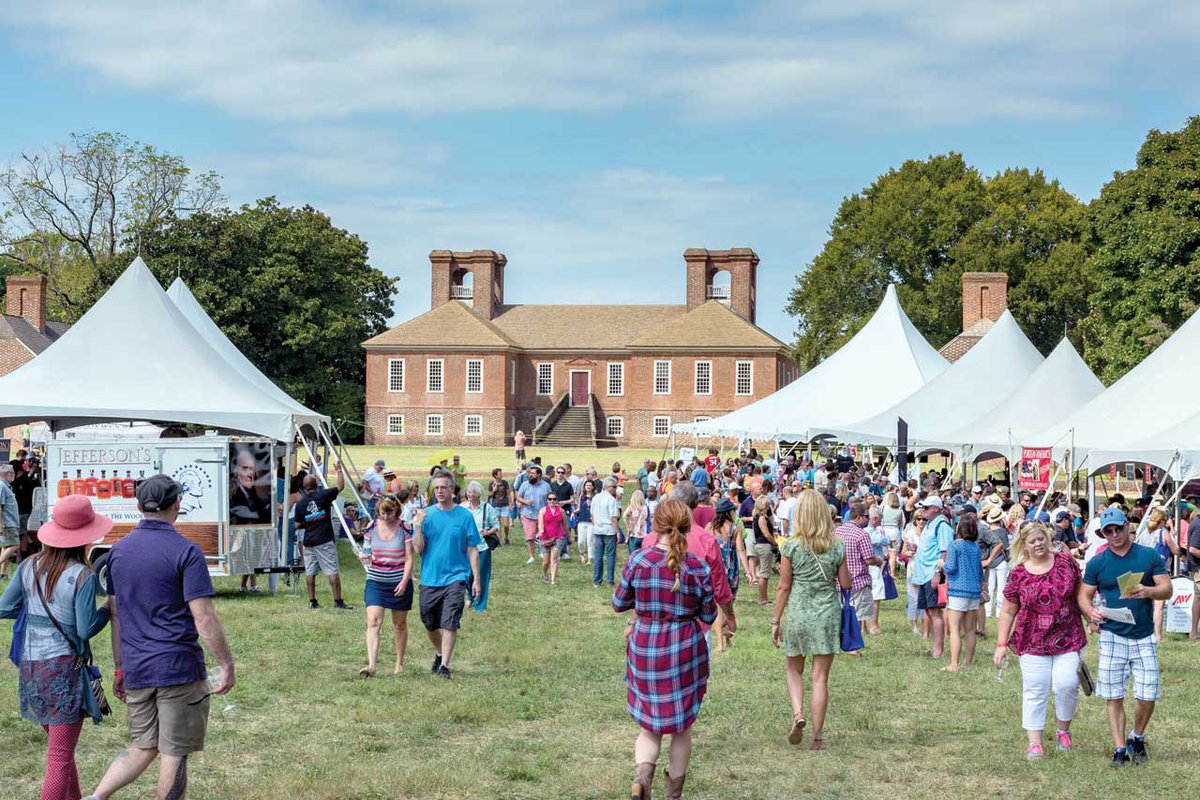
[{"x": 808, "y": 610}]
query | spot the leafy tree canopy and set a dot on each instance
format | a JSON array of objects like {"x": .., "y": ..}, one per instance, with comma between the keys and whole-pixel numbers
[
  {"x": 921, "y": 227},
  {"x": 1146, "y": 223}
]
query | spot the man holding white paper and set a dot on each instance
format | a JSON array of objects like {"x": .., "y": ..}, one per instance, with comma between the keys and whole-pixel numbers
[{"x": 1126, "y": 626}]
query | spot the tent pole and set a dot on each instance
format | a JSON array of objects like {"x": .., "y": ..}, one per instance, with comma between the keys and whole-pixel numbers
[
  {"x": 1091, "y": 495},
  {"x": 336, "y": 509},
  {"x": 353, "y": 480}
]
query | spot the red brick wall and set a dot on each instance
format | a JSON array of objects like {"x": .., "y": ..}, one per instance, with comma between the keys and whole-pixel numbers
[
  {"x": 984, "y": 296},
  {"x": 26, "y": 297}
]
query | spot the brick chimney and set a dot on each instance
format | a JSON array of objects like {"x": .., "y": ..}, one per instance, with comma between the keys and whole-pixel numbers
[
  {"x": 474, "y": 277},
  {"x": 984, "y": 296},
  {"x": 742, "y": 265},
  {"x": 27, "y": 298}
]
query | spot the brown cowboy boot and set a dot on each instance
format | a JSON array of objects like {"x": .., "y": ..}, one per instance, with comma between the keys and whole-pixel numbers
[
  {"x": 643, "y": 778},
  {"x": 675, "y": 786}
]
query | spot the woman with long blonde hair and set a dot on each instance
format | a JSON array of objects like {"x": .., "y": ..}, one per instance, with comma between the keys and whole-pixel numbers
[
  {"x": 810, "y": 574},
  {"x": 635, "y": 517},
  {"x": 666, "y": 669}
]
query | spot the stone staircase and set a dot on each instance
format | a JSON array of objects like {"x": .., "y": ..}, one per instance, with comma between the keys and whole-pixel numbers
[{"x": 572, "y": 429}]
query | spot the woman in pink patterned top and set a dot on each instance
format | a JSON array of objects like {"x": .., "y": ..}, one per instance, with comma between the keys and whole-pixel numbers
[{"x": 1041, "y": 623}]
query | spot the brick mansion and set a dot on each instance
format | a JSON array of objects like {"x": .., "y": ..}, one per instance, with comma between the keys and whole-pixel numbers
[{"x": 474, "y": 369}]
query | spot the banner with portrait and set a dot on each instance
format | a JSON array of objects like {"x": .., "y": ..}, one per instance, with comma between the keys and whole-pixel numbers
[
  {"x": 250, "y": 483},
  {"x": 1034, "y": 471}
]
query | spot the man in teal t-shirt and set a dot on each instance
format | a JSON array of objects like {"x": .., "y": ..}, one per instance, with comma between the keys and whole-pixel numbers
[
  {"x": 1125, "y": 647},
  {"x": 447, "y": 540}
]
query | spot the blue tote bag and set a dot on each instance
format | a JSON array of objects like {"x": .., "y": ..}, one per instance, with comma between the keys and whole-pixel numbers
[{"x": 851, "y": 631}]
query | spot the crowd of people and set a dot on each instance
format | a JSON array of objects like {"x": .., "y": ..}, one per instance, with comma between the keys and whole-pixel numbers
[{"x": 837, "y": 538}]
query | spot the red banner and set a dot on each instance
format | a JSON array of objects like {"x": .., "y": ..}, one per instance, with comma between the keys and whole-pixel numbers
[{"x": 1034, "y": 469}]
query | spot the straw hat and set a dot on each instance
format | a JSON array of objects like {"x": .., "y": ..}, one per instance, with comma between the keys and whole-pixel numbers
[{"x": 73, "y": 523}]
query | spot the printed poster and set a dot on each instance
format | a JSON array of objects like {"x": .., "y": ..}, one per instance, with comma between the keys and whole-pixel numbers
[{"x": 1034, "y": 471}]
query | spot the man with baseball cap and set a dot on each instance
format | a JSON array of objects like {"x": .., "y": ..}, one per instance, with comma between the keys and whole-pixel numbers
[
  {"x": 1125, "y": 647},
  {"x": 160, "y": 599},
  {"x": 930, "y": 557}
]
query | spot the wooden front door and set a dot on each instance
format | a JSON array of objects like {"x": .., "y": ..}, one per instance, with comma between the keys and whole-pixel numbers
[{"x": 581, "y": 387}]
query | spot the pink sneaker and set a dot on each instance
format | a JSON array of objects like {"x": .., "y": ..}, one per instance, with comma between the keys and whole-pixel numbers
[
  {"x": 1064, "y": 740},
  {"x": 1033, "y": 752}
]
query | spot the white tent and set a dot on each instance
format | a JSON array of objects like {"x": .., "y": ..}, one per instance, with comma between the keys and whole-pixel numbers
[
  {"x": 186, "y": 302},
  {"x": 1001, "y": 359},
  {"x": 888, "y": 349},
  {"x": 1059, "y": 386},
  {"x": 135, "y": 356},
  {"x": 1139, "y": 417}
]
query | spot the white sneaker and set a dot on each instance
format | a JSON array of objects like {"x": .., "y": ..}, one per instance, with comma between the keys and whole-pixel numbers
[
  {"x": 529, "y": 560},
  {"x": 567, "y": 557}
]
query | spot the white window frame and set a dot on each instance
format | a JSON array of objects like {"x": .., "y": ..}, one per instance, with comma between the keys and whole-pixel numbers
[
  {"x": 707, "y": 378},
  {"x": 392, "y": 418},
  {"x": 537, "y": 420},
  {"x": 537, "y": 381},
  {"x": 467, "y": 425},
  {"x": 701, "y": 419},
  {"x": 395, "y": 386},
  {"x": 654, "y": 430},
  {"x": 512, "y": 378},
  {"x": 441, "y": 377},
  {"x": 657, "y": 364},
  {"x": 478, "y": 362},
  {"x": 737, "y": 388},
  {"x": 616, "y": 431},
  {"x": 441, "y": 424},
  {"x": 616, "y": 376}
]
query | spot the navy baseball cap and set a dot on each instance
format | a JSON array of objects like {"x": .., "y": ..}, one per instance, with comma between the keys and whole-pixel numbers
[
  {"x": 1112, "y": 516},
  {"x": 158, "y": 492}
]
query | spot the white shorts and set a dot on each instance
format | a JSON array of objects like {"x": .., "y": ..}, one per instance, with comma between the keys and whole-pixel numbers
[
  {"x": 877, "y": 590},
  {"x": 1120, "y": 657},
  {"x": 962, "y": 603}
]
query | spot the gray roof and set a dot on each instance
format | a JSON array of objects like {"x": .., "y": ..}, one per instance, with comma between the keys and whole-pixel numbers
[{"x": 20, "y": 329}]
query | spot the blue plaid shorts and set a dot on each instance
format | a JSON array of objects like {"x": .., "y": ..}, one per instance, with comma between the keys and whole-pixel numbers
[{"x": 1120, "y": 657}]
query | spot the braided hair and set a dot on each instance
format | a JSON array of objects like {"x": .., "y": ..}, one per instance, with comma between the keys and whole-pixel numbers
[{"x": 672, "y": 521}]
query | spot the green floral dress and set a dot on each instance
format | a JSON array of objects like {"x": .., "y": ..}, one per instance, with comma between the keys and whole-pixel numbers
[{"x": 812, "y": 622}]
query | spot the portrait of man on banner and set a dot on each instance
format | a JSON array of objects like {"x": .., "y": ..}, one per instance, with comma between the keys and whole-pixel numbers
[{"x": 250, "y": 483}]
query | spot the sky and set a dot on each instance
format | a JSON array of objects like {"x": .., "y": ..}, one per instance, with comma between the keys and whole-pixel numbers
[{"x": 593, "y": 143}]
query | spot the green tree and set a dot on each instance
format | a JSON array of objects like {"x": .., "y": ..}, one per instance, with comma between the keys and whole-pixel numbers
[
  {"x": 1146, "y": 223},
  {"x": 293, "y": 292},
  {"x": 921, "y": 227},
  {"x": 69, "y": 210}
]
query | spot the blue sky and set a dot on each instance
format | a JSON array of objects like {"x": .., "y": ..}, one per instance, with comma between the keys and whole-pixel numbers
[{"x": 593, "y": 145}]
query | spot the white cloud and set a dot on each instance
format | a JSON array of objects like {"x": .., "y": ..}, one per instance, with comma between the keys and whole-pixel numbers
[{"x": 910, "y": 61}]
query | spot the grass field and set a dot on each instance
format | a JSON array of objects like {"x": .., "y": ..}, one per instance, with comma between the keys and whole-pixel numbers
[
  {"x": 536, "y": 709},
  {"x": 415, "y": 461}
]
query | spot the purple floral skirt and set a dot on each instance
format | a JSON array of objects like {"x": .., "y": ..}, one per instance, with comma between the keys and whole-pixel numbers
[{"x": 51, "y": 691}]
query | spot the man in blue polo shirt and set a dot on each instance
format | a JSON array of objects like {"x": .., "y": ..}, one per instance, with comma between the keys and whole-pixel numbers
[{"x": 1125, "y": 647}]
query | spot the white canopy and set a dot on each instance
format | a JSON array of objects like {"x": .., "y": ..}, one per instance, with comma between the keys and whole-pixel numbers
[
  {"x": 135, "y": 356},
  {"x": 1140, "y": 417},
  {"x": 186, "y": 302},
  {"x": 1002, "y": 358},
  {"x": 889, "y": 349},
  {"x": 1059, "y": 386}
]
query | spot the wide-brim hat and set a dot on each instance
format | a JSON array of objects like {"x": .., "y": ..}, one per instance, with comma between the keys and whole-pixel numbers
[{"x": 73, "y": 523}]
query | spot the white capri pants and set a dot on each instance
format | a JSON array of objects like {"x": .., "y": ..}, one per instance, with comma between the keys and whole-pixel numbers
[
  {"x": 1040, "y": 674},
  {"x": 997, "y": 577},
  {"x": 583, "y": 536}
]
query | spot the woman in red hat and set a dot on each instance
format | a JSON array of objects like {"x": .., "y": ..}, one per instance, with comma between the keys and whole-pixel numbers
[{"x": 57, "y": 590}]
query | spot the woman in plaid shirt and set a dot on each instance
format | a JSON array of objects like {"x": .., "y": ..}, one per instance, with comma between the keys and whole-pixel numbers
[{"x": 670, "y": 593}]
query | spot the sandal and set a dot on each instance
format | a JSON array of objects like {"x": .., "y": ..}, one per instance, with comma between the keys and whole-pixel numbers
[
  {"x": 366, "y": 672},
  {"x": 796, "y": 735},
  {"x": 816, "y": 744}
]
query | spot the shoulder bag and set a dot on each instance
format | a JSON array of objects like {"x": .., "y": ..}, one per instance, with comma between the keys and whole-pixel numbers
[
  {"x": 850, "y": 635},
  {"x": 91, "y": 673}
]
